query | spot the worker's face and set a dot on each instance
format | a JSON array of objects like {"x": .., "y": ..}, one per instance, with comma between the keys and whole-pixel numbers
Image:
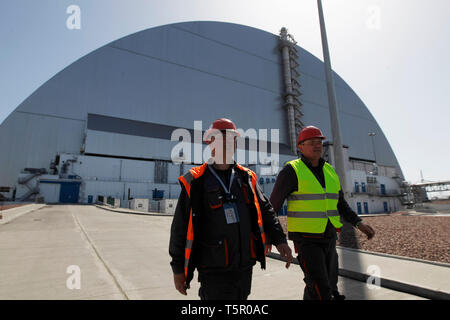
[
  {"x": 223, "y": 146},
  {"x": 311, "y": 149}
]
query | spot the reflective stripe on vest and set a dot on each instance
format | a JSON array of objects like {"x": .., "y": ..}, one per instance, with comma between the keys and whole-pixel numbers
[
  {"x": 186, "y": 180},
  {"x": 255, "y": 200},
  {"x": 310, "y": 207},
  {"x": 312, "y": 196}
]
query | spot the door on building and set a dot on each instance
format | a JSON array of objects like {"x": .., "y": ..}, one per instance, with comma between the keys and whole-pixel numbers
[
  {"x": 385, "y": 205},
  {"x": 363, "y": 187},
  {"x": 356, "y": 186},
  {"x": 358, "y": 204},
  {"x": 366, "y": 207},
  {"x": 69, "y": 192},
  {"x": 383, "y": 189}
]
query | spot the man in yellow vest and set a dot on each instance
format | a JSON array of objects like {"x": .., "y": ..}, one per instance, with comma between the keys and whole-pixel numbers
[{"x": 315, "y": 203}]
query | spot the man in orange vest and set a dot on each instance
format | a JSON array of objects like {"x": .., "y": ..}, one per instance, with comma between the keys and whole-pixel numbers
[{"x": 223, "y": 223}]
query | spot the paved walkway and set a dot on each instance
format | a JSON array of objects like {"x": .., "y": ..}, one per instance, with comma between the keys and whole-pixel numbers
[
  {"x": 120, "y": 256},
  {"x": 424, "y": 278},
  {"x": 13, "y": 213}
]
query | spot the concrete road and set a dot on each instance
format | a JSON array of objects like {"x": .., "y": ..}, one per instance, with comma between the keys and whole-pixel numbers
[{"x": 119, "y": 256}]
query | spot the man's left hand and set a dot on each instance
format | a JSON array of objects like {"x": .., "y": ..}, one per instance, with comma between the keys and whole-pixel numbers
[
  {"x": 285, "y": 253},
  {"x": 367, "y": 230}
]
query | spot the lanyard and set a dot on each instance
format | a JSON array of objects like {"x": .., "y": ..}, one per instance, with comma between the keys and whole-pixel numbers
[{"x": 227, "y": 190}]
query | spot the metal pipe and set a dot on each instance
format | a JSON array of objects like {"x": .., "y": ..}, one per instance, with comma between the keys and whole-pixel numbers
[
  {"x": 372, "y": 135},
  {"x": 288, "y": 86}
]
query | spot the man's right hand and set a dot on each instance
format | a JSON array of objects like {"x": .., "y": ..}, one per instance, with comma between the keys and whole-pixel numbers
[{"x": 180, "y": 283}]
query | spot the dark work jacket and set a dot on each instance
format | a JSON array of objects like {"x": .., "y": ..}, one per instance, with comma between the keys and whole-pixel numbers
[
  {"x": 220, "y": 247},
  {"x": 287, "y": 183}
]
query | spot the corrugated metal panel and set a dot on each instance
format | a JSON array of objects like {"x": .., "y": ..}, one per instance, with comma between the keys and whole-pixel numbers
[
  {"x": 138, "y": 170},
  {"x": 29, "y": 140},
  {"x": 93, "y": 167},
  {"x": 115, "y": 144},
  {"x": 161, "y": 171},
  {"x": 174, "y": 173}
]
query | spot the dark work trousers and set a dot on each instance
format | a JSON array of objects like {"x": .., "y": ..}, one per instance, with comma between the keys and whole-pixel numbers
[
  {"x": 317, "y": 259},
  {"x": 225, "y": 286},
  {"x": 334, "y": 270}
]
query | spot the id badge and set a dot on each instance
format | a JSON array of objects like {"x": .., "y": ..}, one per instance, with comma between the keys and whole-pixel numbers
[{"x": 231, "y": 213}]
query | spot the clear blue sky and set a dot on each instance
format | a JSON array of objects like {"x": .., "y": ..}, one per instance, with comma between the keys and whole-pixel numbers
[{"x": 393, "y": 53}]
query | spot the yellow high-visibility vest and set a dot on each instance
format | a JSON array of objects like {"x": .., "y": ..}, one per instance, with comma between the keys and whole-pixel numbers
[{"x": 310, "y": 207}]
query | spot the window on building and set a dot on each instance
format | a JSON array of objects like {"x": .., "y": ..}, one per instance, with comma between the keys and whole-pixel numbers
[
  {"x": 356, "y": 186},
  {"x": 363, "y": 187},
  {"x": 371, "y": 179}
]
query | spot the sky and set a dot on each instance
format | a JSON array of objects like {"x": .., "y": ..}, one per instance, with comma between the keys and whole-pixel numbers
[{"x": 393, "y": 53}]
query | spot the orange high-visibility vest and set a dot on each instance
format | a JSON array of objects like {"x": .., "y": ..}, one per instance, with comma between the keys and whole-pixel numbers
[{"x": 186, "y": 180}]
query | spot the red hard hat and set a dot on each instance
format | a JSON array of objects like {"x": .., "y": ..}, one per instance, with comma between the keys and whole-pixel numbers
[
  {"x": 309, "y": 132},
  {"x": 221, "y": 124}
]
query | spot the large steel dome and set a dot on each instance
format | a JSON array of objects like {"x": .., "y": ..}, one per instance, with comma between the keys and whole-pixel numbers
[{"x": 123, "y": 101}]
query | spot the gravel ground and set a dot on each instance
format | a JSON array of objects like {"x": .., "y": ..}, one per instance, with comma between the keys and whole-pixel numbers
[
  {"x": 447, "y": 201},
  {"x": 422, "y": 237}
]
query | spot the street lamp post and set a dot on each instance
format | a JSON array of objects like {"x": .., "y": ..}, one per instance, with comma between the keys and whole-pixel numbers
[{"x": 334, "y": 119}]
